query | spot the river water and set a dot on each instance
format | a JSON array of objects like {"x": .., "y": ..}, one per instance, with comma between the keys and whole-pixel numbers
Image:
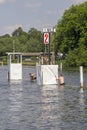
[{"x": 26, "y": 106}]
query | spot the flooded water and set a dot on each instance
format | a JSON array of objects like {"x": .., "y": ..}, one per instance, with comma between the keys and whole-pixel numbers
[{"x": 26, "y": 106}]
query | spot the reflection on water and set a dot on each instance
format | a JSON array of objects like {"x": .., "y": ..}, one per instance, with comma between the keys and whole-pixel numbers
[
  {"x": 82, "y": 105},
  {"x": 81, "y": 99},
  {"x": 27, "y": 106},
  {"x": 15, "y": 97},
  {"x": 15, "y": 104},
  {"x": 51, "y": 106}
]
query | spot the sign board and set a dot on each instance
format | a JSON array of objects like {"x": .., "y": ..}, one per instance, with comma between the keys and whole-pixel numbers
[{"x": 46, "y": 38}]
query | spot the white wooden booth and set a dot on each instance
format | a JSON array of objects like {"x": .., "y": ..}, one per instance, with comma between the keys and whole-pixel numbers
[
  {"x": 46, "y": 74},
  {"x": 14, "y": 65}
]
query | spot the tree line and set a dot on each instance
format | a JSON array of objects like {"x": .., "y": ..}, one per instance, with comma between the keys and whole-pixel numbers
[
  {"x": 70, "y": 38},
  {"x": 21, "y": 41}
]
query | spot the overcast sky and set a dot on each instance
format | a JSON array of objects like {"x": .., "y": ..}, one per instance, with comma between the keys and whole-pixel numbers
[{"x": 31, "y": 13}]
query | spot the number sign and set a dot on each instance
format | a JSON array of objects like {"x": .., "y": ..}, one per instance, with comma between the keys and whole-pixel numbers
[{"x": 46, "y": 38}]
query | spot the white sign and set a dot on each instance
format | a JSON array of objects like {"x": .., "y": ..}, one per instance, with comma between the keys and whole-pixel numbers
[
  {"x": 45, "y": 30},
  {"x": 46, "y": 38}
]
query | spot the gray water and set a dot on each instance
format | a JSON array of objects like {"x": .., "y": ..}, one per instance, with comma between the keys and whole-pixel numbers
[{"x": 26, "y": 106}]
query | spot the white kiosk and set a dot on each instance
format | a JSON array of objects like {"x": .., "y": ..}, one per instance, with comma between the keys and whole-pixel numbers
[
  {"x": 14, "y": 65},
  {"x": 47, "y": 74}
]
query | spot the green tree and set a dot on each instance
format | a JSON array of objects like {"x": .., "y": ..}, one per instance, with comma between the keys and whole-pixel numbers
[
  {"x": 5, "y": 45},
  {"x": 72, "y": 33},
  {"x": 35, "y": 40}
]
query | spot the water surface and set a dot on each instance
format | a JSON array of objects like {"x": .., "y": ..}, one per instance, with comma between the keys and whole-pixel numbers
[{"x": 26, "y": 106}]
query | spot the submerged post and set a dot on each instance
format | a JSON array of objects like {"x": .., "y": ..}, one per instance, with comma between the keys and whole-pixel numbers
[{"x": 81, "y": 78}]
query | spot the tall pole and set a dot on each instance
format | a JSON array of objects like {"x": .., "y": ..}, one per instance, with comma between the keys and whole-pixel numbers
[
  {"x": 49, "y": 49},
  {"x": 54, "y": 45},
  {"x": 13, "y": 48},
  {"x": 54, "y": 49}
]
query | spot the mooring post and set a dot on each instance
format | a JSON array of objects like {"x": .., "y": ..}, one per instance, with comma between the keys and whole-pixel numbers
[
  {"x": 61, "y": 66},
  {"x": 81, "y": 78}
]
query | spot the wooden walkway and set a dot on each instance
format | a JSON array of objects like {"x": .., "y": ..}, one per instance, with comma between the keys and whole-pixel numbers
[{"x": 31, "y": 54}]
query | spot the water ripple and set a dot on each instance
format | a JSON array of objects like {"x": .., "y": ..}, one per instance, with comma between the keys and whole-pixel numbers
[{"x": 27, "y": 106}]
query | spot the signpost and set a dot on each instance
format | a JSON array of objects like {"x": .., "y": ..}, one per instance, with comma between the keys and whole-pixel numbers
[
  {"x": 47, "y": 42},
  {"x": 46, "y": 33}
]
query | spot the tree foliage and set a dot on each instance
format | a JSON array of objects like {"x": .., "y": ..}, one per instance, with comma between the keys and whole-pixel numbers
[
  {"x": 21, "y": 41},
  {"x": 72, "y": 35}
]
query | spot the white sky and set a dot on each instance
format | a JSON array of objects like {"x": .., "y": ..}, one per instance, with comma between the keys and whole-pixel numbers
[{"x": 31, "y": 13}]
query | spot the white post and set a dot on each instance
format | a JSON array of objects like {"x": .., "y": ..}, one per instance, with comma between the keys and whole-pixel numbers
[
  {"x": 81, "y": 76},
  {"x": 61, "y": 67}
]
